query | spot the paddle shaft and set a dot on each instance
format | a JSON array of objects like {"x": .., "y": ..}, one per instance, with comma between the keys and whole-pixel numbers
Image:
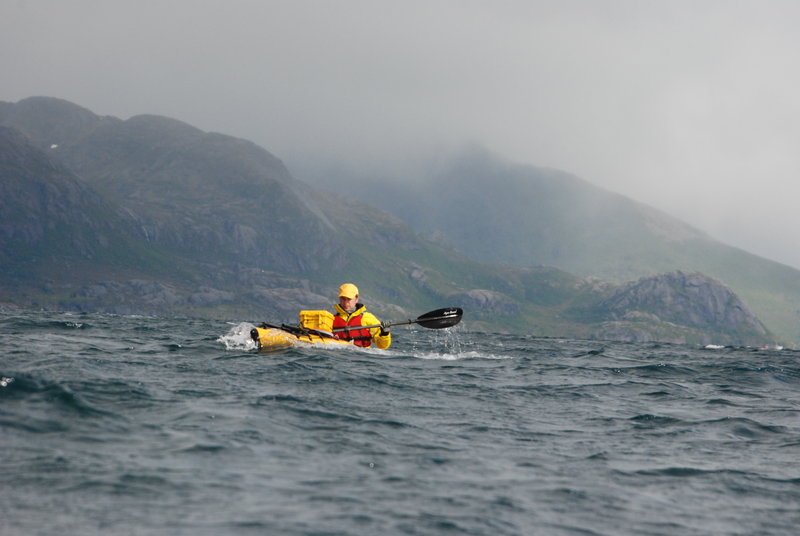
[
  {"x": 384, "y": 325},
  {"x": 451, "y": 317}
]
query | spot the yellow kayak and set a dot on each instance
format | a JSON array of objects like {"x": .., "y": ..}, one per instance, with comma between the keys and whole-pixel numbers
[
  {"x": 316, "y": 327},
  {"x": 273, "y": 338}
]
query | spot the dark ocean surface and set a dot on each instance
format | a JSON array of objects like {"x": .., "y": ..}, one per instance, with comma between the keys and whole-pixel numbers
[{"x": 126, "y": 425}]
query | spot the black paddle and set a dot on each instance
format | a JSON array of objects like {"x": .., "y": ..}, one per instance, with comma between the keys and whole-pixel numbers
[{"x": 438, "y": 319}]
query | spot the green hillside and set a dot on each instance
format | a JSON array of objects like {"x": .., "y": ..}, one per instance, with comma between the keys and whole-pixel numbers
[{"x": 499, "y": 212}]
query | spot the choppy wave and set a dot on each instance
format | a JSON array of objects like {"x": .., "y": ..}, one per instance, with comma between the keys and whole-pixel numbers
[{"x": 141, "y": 425}]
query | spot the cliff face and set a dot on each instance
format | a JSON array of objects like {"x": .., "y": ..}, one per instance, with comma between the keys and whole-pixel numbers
[
  {"x": 47, "y": 212},
  {"x": 694, "y": 301},
  {"x": 210, "y": 197}
]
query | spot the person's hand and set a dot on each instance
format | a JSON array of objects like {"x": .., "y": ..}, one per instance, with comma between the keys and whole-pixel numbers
[{"x": 384, "y": 330}]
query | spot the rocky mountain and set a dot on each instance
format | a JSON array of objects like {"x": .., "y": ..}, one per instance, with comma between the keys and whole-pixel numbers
[
  {"x": 233, "y": 230},
  {"x": 51, "y": 218},
  {"x": 660, "y": 307},
  {"x": 152, "y": 215},
  {"x": 198, "y": 193},
  {"x": 496, "y": 211}
]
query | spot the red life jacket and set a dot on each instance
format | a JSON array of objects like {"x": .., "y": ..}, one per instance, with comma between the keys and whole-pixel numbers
[{"x": 360, "y": 337}]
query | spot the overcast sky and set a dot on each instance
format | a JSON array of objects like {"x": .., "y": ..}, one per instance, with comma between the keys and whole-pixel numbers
[{"x": 692, "y": 107}]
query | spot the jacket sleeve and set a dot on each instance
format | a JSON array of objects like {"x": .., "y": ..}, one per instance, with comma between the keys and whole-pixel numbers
[{"x": 381, "y": 341}]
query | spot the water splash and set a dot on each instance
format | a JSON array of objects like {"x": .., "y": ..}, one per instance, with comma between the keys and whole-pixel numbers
[
  {"x": 449, "y": 344},
  {"x": 238, "y": 338}
]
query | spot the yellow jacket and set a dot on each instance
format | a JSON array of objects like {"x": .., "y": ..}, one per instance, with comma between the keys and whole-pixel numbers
[{"x": 367, "y": 319}]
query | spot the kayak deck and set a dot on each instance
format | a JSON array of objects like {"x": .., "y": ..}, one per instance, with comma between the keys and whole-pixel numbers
[{"x": 271, "y": 338}]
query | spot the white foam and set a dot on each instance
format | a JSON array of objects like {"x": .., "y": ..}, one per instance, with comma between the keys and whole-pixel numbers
[
  {"x": 238, "y": 338},
  {"x": 461, "y": 355}
]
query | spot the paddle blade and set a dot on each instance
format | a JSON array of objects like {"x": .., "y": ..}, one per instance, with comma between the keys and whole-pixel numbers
[{"x": 441, "y": 318}]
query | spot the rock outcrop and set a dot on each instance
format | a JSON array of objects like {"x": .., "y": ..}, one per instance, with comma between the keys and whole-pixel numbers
[{"x": 680, "y": 302}]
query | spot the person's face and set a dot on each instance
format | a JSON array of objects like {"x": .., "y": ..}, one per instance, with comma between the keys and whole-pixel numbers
[{"x": 348, "y": 304}]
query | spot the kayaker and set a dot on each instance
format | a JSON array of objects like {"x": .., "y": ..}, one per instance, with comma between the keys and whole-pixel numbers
[{"x": 350, "y": 313}]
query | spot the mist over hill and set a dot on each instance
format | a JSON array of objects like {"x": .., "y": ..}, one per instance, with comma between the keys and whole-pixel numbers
[
  {"x": 496, "y": 211},
  {"x": 152, "y": 215}
]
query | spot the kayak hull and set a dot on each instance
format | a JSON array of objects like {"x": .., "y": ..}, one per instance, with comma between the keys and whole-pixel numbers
[{"x": 271, "y": 339}]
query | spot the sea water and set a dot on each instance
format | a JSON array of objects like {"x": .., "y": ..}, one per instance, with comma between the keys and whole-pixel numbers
[{"x": 127, "y": 425}]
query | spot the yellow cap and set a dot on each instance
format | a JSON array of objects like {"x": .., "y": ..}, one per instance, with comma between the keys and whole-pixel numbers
[{"x": 348, "y": 290}]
